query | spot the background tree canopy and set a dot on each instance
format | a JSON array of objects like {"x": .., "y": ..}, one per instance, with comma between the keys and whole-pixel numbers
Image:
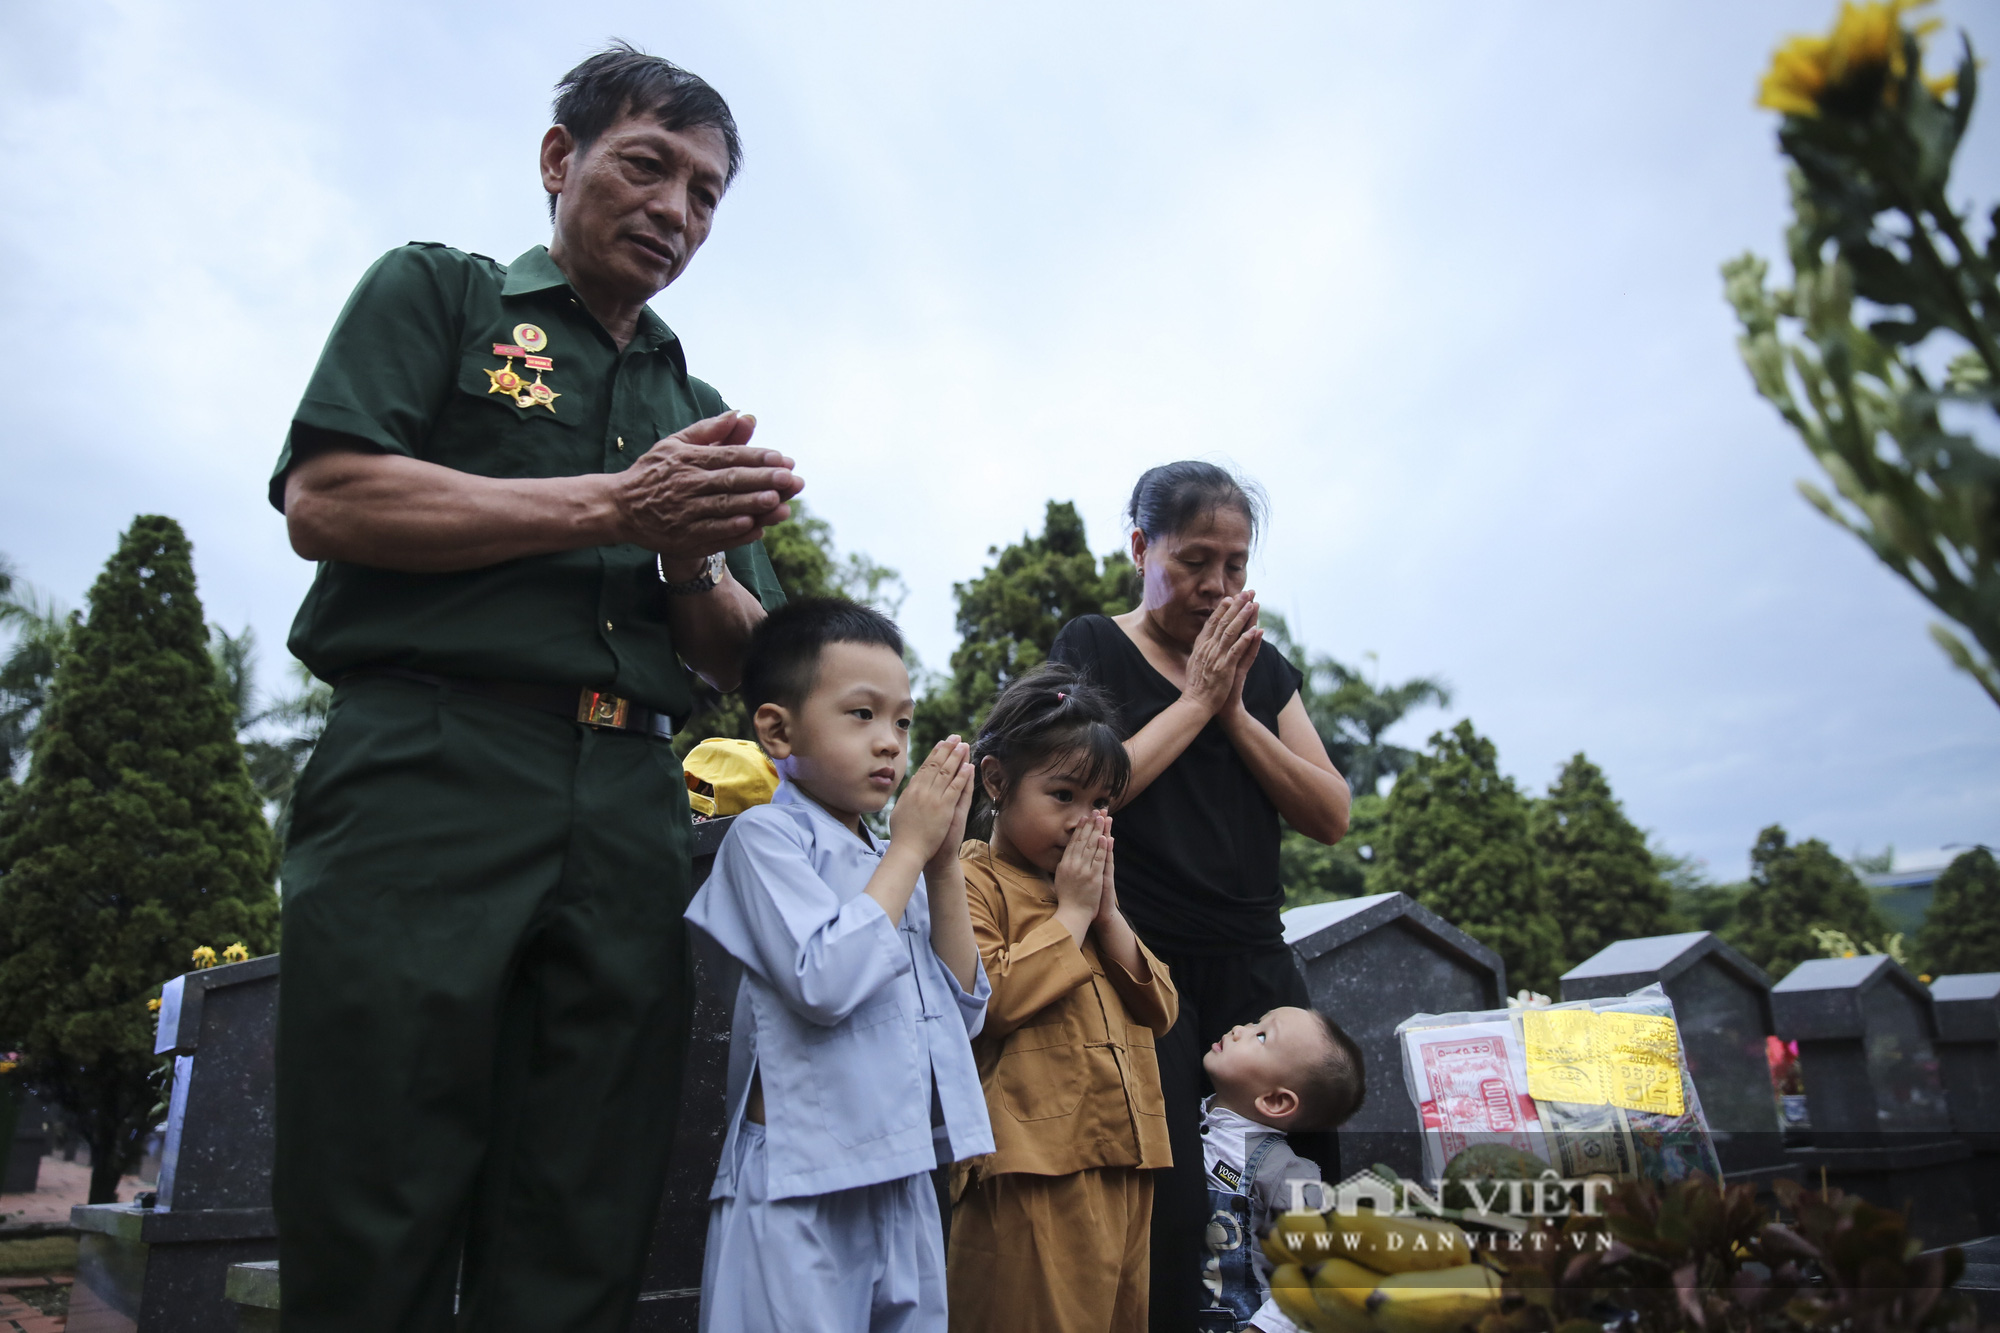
[
  {"x": 42, "y": 630},
  {"x": 807, "y": 565},
  {"x": 1351, "y": 713},
  {"x": 1962, "y": 931},
  {"x": 1603, "y": 884},
  {"x": 1794, "y": 887},
  {"x": 1457, "y": 841},
  {"x": 1009, "y": 615},
  {"x": 136, "y": 837},
  {"x": 278, "y": 736}
]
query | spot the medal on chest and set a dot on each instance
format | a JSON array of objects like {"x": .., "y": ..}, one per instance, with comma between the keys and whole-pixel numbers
[{"x": 529, "y": 342}]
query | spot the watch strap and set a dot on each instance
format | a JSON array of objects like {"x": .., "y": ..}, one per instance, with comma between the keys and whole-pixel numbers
[{"x": 711, "y": 574}]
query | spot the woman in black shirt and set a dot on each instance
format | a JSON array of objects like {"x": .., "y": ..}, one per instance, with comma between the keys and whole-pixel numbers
[{"x": 1221, "y": 748}]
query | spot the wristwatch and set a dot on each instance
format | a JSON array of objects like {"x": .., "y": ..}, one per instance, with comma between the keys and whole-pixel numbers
[{"x": 711, "y": 574}]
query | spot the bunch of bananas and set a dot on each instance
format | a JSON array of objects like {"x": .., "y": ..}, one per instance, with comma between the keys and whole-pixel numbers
[{"x": 1372, "y": 1273}]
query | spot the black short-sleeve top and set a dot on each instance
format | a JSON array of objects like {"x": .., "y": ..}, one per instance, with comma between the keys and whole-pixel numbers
[
  {"x": 1197, "y": 858},
  {"x": 498, "y": 370}
]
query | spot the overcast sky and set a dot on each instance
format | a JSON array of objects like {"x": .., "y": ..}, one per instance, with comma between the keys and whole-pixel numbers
[{"x": 1441, "y": 276}]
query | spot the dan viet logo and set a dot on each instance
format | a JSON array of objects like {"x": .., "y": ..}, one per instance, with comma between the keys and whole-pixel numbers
[{"x": 1379, "y": 1216}]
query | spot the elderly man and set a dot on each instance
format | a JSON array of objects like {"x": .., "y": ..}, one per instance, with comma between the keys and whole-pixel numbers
[{"x": 527, "y": 516}]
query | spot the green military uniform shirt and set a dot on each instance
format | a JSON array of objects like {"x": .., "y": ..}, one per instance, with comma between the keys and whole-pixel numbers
[{"x": 411, "y": 368}]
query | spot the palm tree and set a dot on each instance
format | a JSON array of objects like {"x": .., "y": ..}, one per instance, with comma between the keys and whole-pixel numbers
[
  {"x": 42, "y": 632},
  {"x": 278, "y": 737},
  {"x": 276, "y": 763},
  {"x": 1352, "y": 712},
  {"x": 1353, "y": 715}
]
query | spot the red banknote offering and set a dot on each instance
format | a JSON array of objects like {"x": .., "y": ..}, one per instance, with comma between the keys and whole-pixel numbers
[{"x": 1472, "y": 1087}]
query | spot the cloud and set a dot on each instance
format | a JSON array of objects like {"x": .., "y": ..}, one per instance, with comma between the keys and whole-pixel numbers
[{"x": 1443, "y": 280}]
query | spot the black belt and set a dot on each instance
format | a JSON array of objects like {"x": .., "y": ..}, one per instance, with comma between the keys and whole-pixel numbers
[{"x": 593, "y": 708}]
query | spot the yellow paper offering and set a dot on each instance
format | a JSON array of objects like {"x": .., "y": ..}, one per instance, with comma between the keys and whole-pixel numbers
[
  {"x": 1562, "y": 1056},
  {"x": 1642, "y": 1061},
  {"x": 1603, "y": 1059}
]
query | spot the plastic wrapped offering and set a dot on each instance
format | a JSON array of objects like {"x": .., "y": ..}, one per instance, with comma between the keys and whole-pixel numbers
[{"x": 1590, "y": 1087}]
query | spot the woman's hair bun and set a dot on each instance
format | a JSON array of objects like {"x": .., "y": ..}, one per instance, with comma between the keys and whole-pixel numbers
[{"x": 1171, "y": 498}]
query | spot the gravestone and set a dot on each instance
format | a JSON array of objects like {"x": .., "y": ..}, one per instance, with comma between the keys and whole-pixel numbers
[
  {"x": 670, "y": 1291},
  {"x": 26, "y": 1139},
  {"x": 1968, "y": 1047},
  {"x": 1881, "y": 1125},
  {"x": 1981, "y": 1279},
  {"x": 1722, "y": 1004},
  {"x": 1370, "y": 963},
  {"x": 161, "y": 1269}
]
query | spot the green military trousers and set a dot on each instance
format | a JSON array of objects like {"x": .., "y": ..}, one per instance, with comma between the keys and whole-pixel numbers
[{"x": 483, "y": 1016}]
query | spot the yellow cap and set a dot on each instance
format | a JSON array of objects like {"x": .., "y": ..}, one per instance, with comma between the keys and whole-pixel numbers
[{"x": 727, "y": 777}]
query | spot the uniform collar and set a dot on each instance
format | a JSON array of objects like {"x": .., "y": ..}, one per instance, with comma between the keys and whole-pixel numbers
[
  {"x": 534, "y": 271},
  {"x": 787, "y": 794}
]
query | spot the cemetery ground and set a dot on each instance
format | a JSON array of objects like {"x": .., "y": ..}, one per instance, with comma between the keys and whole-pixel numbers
[{"x": 38, "y": 1248}]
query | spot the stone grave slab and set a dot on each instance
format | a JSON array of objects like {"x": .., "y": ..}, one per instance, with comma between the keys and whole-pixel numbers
[
  {"x": 670, "y": 1291},
  {"x": 25, "y": 1139},
  {"x": 1968, "y": 1047},
  {"x": 162, "y": 1268},
  {"x": 1881, "y": 1126},
  {"x": 1722, "y": 1003},
  {"x": 1370, "y": 963}
]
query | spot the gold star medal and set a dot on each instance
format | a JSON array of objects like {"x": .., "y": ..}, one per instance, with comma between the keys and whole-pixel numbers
[
  {"x": 505, "y": 380},
  {"x": 528, "y": 340}
]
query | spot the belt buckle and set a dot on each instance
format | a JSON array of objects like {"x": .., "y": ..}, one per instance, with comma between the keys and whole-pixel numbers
[{"x": 594, "y": 708}]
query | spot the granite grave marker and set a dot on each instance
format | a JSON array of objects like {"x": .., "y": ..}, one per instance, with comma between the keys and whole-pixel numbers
[
  {"x": 161, "y": 1269},
  {"x": 1371, "y": 963},
  {"x": 1881, "y": 1125},
  {"x": 1968, "y": 1047}
]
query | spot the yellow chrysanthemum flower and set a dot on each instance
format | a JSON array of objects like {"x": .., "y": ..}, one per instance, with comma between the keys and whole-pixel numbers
[
  {"x": 153, "y": 1005},
  {"x": 1862, "y": 57},
  {"x": 236, "y": 953},
  {"x": 204, "y": 957},
  {"x": 1796, "y": 78},
  {"x": 8, "y": 1066}
]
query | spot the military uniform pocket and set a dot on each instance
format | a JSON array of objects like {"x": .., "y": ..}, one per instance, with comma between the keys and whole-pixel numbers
[{"x": 496, "y": 425}]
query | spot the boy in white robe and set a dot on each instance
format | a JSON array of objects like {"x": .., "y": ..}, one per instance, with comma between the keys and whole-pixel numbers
[{"x": 850, "y": 1068}]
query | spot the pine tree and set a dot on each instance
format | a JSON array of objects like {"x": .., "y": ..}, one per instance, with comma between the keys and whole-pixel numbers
[
  {"x": 1603, "y": 882},
  {"x": 1009, "y": 616},
  {"x": 136, "y": 837},
  {"x": 1961, "y": 932},
  {"x": 1792, "y": 889},
  {"x": 1457, "y": 841}
]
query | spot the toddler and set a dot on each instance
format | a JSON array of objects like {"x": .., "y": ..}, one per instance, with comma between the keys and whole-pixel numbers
[
  {"x": 1293, "y": 1069},
  {"x": 1052, "y": 1232},
  {"x": 850, "y": 1070}
]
